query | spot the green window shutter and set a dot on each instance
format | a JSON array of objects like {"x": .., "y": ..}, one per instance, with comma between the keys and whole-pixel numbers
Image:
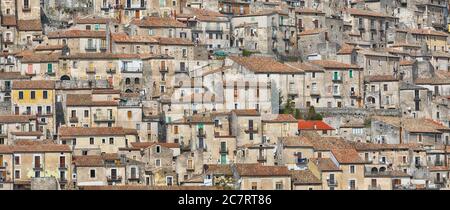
[
  {"x": 97, "y": 27},
  {"x": 50, "y": 68},
  {"x": 200, "y": 126},
  {"x": 351, "y": 73}
]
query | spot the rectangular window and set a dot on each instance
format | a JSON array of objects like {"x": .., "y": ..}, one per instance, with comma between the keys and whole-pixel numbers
[
  {"x": 17, "y": 160},
  {"x": 111, "y": 140},
  {"x": 91, "y": 141},
  {"x": 45, "y": 94},
  {"x": 279, "y": 186},
  {"x": 33, "y": 95},
  {"x": 50, "y": 68},
  {"x": 92, "y": 173},
  {"x": 17, "y": 174},
  {"x": 20, "y": 95},
  {"x": 352, "y": 169}
]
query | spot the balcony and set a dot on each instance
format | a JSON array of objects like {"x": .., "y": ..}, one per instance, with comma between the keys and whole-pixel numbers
[
  {"x": 262, "y": 158},
  {"x": 50, "y": 73},
  {"x": 111, "y": 71},
  {"x": 106, "y": 7},
  {"x": 338, "y": 79},
  {"x": 91, "y": 70},
  {"x": 354, "y": 95},
  {"x": 114, "y": 178},
  {"x": 133, "y": 178},
  {"x": 37, "y": 167},
  {"x": 201, "y": 134},
  {"x": 26, "y": 9},
  {"x": 315, "y": 93},
  {"x": 190, "y": 168},
  {"x": 2, "y": 166},
  {"x": 62, "y": 167},
  {"x": 163, "y": 69},
  {"x": 251, "y": 130},
  {"x": 223, "y": 150},
  {"x": 30, "y": 73},
  {"x": 62, "y": 180},
  {"x": 90, "y": 48},
  {"x": 332, "y": 183},
  {"x": 103, "y": 118},
  {"x": 337, "y": 94},
  {"x": 8, "y": 41},
  {"x": 103, "y": 48},
  {"x": 292, "y": 93},
  {"x": 73, "y": 120},
  {"x": 131, "y": 70}
]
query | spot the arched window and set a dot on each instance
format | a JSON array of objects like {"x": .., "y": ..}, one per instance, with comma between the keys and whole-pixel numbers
[
  {"x": 127, "y": 81},
  {"x": 137, "y": 81}
]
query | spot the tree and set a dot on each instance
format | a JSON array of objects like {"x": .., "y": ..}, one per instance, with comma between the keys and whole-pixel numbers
[{"x": 312, "y": 115}]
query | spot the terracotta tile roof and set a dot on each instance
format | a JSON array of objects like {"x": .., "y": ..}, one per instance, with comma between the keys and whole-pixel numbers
[
  {"x": 407, "y": 62},
  {"x": 347, "y": 156},
  {"x": 86, "y": 100},
  {"x": 279, "y": 118},
  {"x": 29, "y": 25},
  {"x": 8, "y": 20},
  {"x": 258, "y": 64},
  {"x": 37, "y": 147},
  {"x": 359, "y": 12},
  {"x": 427, "y": 32},
  {"x": 329, "y": 64},
  {"x": 98, "y": 56},
  {"x": 106, "y": 91},
  {"x": 158, "y": 22},
  {"x": 307, "y": 10},
  {"x": 329, "y": 143},
  {"x": 306, "y": 177},
  {"x": 47, "y": 47},
  {"x": 258, "y": 170},
  {"x": 91, "y": 131},
  {"x": 439, "y": 168},
  {"x": 346, "y": 49},
  {"x": 312, "y": 32},
  {"x": 359, "y": 146},
  {"x": 125, "y": 38},
  {"x": 12, "y": 76},
  {"x": 72, "y": 33},
  {"x": 16, "y": 118},
  {"x": 33, "y": 84},
  {"x": 313, "y": 125},
  {"x": 144, "y": 145},
  {"x": 296, "y": 141},
  {"x": 246, "y": 112},
  {"x": 218, "y": 169},
  {"x": 324, "y": 164},
  {"x": 174, "y": 41},
  {"x": 306, "y": 67},
  {"x": 41, "y": 58},
  {"x": 27, "y": 133},
  {"x": 413, "y": 125},
  {"x": 204, "y": 15},
  {"x": 381, "y": 78},
  {"x": 88, "y": 161}
]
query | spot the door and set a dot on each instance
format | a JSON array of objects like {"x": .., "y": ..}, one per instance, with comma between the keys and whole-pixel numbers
[
  {"x": 374, "y": 183},
  {"x": 133, "y": 173},
  {"x": 16, "y": 110},
  {"x": 113, "y": 174},
  {"x": 223, "y": 159}
]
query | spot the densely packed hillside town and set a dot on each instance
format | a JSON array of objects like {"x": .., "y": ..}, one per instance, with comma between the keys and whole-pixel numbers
[{"x": 224, "y": 94}]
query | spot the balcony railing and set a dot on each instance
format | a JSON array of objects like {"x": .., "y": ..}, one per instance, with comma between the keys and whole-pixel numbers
[
  {"x": 215, "y": 29},
  {"x": 90, "y": 48},
  {"x": 8, "y": 41},
  {"x": 104, "y": 118},
  {"x": 332, "y": 182},
  {"x": 302, "y": 161},
  {"x": 111, "y": 70},
  {"x": 163, "y": 69},
  {"x": 223, "y": 150},
  {"x": 62, "y": 167},
  {"x": 131, "y": 70},
  {"x": 114, "y": 178},
  {"x": 262, "y": 158},
  {"x": 37, "y": 167},
  {"x": 73, "y": 120},
  {"x": 338, "y": 79},
  {"x": 201, "y": 134},
  {"x": 251, "y": 130}
]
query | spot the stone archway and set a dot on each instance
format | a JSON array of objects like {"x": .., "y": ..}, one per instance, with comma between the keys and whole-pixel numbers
[{"x": 65, "y": 77}]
